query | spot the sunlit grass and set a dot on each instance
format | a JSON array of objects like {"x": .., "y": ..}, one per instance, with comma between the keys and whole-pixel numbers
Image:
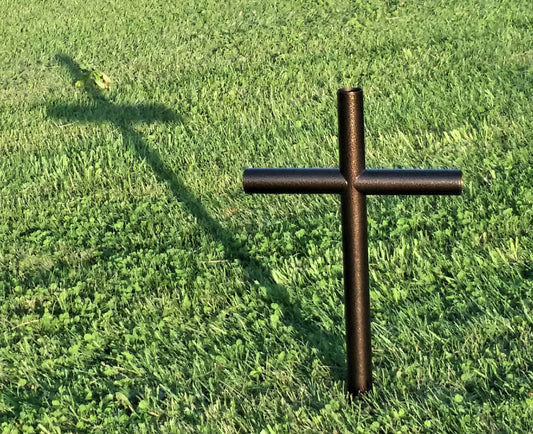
[{"x": 143, "y": 291}]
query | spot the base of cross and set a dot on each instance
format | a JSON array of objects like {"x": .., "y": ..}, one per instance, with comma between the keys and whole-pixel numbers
[{"x": 354, "y": 182}]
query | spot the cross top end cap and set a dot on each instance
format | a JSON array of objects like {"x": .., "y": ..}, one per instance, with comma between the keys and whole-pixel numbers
[{"x": 350, "y": 90}]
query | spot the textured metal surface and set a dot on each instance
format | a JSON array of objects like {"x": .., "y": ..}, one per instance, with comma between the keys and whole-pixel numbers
[
  {"x": 293, "y": 181},
  {"x": 354, "y": 241},
  {"x": 410, "y": 181},
  {"x": 354, "y": 182}
]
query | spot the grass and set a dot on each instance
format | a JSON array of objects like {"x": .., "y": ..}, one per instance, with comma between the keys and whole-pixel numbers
[{"x": 142, "y": 291}]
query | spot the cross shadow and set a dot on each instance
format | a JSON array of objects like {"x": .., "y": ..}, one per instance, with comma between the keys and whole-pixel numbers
[{"x": 329, "y": 348}]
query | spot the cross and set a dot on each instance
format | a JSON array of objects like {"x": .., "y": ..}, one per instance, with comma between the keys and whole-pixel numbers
[{"x": 354, "y": 182}]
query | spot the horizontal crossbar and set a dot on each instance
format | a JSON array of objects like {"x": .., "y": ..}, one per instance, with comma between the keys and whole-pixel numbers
[
  {"x": 262, "y": 180},
  {"x": 410, "y": 181},
  {"x": 370, "y": 181}
]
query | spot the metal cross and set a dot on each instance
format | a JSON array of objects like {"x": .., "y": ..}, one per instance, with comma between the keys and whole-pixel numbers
[{"x": 354, "y": 182}]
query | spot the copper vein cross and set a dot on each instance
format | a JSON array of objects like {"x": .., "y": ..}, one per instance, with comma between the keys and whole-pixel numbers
[{"x": 354, "y": 182}]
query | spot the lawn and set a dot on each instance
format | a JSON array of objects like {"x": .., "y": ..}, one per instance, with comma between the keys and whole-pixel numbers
[{"x": 142, "y": 291}]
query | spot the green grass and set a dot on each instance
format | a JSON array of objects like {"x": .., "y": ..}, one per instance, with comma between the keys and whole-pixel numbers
[{"x": 142, "y": 291}]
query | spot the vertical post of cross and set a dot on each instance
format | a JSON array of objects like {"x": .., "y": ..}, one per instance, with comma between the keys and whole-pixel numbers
[{"x": 354, "y": 240}]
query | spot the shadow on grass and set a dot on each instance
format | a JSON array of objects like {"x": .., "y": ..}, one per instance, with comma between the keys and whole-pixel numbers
[{"x": 100, "y": 109}]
